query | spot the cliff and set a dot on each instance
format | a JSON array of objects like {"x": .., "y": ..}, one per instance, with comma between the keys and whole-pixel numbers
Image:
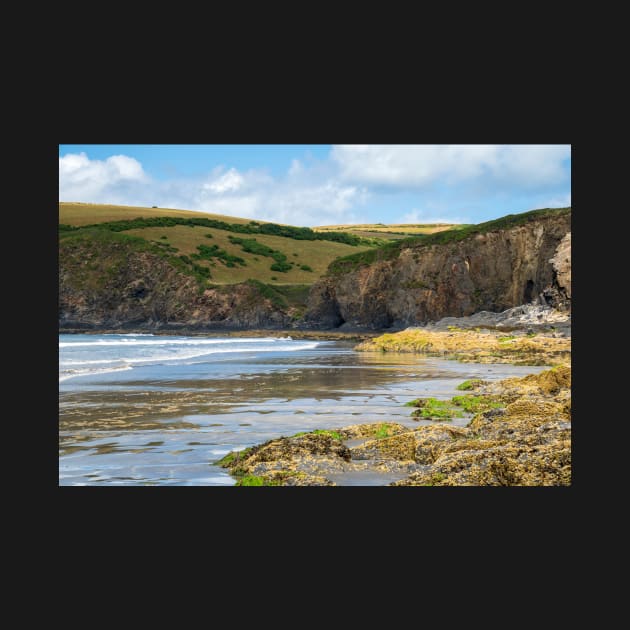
[
  {"x": 111, "y": 280},
  {"x": 515, "y": 260},
  {"x": 108, "y": 281}
]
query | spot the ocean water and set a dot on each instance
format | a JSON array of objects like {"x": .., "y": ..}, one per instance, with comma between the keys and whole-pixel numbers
[{"x": 160, "y": 410}]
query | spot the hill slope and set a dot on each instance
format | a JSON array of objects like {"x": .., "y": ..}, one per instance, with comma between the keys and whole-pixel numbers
[
  {"x": 232, "y": 250},
  {"x": 190, "y": 270},
  {"x": 123, "y": 267},
  {"x": 78, "y": 213}
]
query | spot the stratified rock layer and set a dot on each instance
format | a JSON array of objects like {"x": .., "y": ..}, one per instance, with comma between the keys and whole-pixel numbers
[{"x": 491, "y": 271}]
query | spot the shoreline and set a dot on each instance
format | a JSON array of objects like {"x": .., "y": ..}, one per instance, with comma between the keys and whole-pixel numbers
[
  {"x": 519, "y": 433},
  {"x": 285, "y": 332}
]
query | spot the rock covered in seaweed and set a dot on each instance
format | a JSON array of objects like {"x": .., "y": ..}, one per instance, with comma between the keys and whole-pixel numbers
[{"x": 524, "y": 441}]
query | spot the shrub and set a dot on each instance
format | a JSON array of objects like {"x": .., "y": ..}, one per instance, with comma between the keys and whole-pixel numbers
[
  {"x": 208, "y": 253},
  {"x": 288, "y": 231},
  {"x": 280, "y": 266}
]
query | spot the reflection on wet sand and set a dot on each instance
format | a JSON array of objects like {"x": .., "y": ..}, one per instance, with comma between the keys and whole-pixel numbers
[
  {"x": 167, "y": 426},
  {"x": 136, "y": 409}
]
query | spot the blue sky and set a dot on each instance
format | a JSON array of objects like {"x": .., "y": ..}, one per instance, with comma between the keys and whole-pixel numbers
[{"x": 312, "y": 185}]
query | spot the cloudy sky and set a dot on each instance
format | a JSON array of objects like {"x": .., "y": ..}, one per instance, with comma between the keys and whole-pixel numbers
[{"x": 310, "y": 185}]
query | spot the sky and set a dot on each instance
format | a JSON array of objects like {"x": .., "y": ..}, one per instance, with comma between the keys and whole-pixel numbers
[{"x": 311, "y": 185}]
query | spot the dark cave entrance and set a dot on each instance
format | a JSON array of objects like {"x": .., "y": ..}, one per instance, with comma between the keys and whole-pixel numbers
[{"x": 529, "y": 292}]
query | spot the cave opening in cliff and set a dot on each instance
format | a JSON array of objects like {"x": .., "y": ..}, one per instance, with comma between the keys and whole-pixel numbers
[{"x": 529, "y": 292}]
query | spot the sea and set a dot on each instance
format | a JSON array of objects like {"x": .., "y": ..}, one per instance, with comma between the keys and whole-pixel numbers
[{"x": 142, "y": 409}]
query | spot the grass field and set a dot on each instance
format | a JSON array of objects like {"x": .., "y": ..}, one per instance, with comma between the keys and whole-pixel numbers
[
  {"x": 393, "y": 231},
  {"x": 74, "y": 213},
  {"x": 316, "y": 255}
]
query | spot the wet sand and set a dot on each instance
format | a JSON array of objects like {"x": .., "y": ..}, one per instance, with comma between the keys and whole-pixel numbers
[{"x": 161, "y": 427}]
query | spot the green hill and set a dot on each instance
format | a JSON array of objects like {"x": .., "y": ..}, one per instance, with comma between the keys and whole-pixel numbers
[
  {"x": 77, "y": 213},
  {"x": 221, "y": 249},
  {"x": 154, "y": 268}
]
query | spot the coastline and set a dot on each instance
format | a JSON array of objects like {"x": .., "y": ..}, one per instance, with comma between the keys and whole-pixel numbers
[
  {"x": 332, "y": 335},
  {"x": 519, "y": 433}
]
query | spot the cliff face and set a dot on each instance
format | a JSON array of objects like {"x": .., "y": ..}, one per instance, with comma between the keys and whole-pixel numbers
[
  {"x": 109, "y": 282},
  {"x": 490, "y": 271},
  {"x": 111, "y": 285}
]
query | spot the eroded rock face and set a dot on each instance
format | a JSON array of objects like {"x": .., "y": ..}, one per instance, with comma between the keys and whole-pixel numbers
[
  {"x": 119, "y": 288},
  {"x": 492, "y": 272},
  {"x": 562, "y": 264}
]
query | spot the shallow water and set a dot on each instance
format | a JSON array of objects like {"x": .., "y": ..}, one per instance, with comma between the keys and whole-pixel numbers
[{"x": 161, "y": 411}]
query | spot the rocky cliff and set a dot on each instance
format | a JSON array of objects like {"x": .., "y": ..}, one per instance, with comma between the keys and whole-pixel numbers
[
  {"x": 111, "y": 283},
  {"x": 492, "y": 267}
]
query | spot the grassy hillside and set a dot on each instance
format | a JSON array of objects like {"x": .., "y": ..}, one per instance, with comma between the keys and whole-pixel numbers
[
  {"x": 233, "y": 252},
  {"x": 394, "y": 231},
  {"x": 314, "y": 254},
  {"x": 75, "y": 213},
  {"x": 458, "y": 233}
]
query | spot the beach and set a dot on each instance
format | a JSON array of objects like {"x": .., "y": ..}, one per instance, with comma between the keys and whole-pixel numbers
[{"x": 141, "y": 409}]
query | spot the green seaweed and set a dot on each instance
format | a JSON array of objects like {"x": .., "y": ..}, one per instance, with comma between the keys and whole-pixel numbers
[
  {"x": 333, "y": 434},
  {"x": 233, "y": 456},
  {"x": 434, "y": 409},
  {"x": 469, "y": 384},
  {"x": 475, "y": 404}
]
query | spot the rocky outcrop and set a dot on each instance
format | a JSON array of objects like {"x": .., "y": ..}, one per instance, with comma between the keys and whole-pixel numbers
[
  {"x": 526, "y": 443},
  {"x": 559, "y": 292},
  {"x": 475, "y": 346},
  {"x": 492, "y": 271},
  {"x": 528, "y": 317},
  {"x": 113, "y": 285},
  {"x": 520, "y": 435}
]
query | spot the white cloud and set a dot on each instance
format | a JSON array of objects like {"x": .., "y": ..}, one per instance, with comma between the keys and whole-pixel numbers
[
  {"x": 440, "y": 183},
  {"x": 296, "y": 168},
  {"x": 561, "y": 201},
  {"x": 232, "y": 180},
  {"x": 82, "y": 179},
  {"x": 303, "y": 197},
  {"x": 124, "y": 167},
  {"x": 418, "y": 166},
  {"x": 419, "y": 216}
]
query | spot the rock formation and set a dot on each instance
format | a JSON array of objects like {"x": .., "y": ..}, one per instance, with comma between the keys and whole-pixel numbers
[
  {"x": 118, "y": 287},
  {"x": 491, "y": 271}
]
